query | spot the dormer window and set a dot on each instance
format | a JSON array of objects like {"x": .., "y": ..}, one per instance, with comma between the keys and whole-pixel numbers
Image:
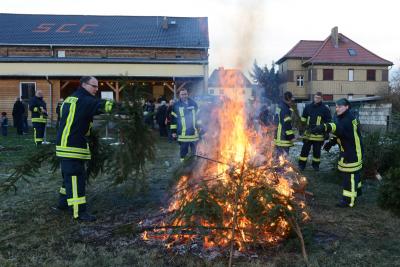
[{"x": 352, "y": 52}]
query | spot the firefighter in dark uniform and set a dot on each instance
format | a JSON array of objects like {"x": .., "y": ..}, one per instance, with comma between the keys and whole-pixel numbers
[
  {"x": 284, "y": 134},
  {"x": 314, "y": 114},
  {"x": 184, "y": 123},
  {"x": 76, "y": 117},
  {"x": 347, "y": 133},
  {"x": 39, "y": 116}
]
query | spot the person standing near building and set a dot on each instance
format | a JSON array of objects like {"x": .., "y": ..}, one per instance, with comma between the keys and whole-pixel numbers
[
  {"x": 184, "y": 123},
  {"x": 4, "y": 124},
  {"x": 284, "y": 134},
  {"x": 58, "y": 108},
  {"x": 314, "y": 114},
  {"x": 168, "y": 120},
  {"x": 18, "y": 115},
  {"x": 39, "y": 116},
  {"x": 161, "y": 116},
  {"x": 347, "y": 133},
  {"x": 72, "y": 147}
]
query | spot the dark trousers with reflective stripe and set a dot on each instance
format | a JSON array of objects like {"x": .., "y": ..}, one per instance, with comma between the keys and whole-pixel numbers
[
  {"x": 184, "y": 149},
  {"x": 351, "y": 187},
  {"x": 38, "y": 132},
  {"x": 74, "y": 181},
  {"x": 305, "y": 150}
]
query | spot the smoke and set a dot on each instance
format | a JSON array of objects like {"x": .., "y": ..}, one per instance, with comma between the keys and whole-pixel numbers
[{"x": 247, "y": 23}]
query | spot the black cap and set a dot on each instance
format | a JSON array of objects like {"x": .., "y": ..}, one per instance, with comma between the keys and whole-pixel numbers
[{"x": 343, "y": 102}]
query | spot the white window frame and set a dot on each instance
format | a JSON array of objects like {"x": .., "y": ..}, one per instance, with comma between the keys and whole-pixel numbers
[
  {"x": 351, "y": 75},
  {"x": 20, "y": 88},
  {"x": 300, "y": 80}
]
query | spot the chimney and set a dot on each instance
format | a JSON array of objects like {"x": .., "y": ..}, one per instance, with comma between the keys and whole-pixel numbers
[
  {"x": 165, "y": 23},
  {"x": 335, "y": 37}
]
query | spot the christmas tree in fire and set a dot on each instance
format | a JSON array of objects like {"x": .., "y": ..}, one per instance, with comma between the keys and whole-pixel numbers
[{"x": 235, "y": 193}]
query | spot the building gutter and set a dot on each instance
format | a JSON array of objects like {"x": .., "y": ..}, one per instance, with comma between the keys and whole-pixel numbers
[{"x": 51, "y": 98}]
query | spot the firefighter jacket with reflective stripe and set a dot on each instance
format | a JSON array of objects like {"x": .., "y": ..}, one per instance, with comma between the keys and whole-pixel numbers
[
  {"x": 348, "y": 135},
  {"x": 315, "y": 114},
  {"x": 37, "y": 106},
  {"x": 283, "y": 120},
  {"x": 184, "y": 121},
  {"x": 77, "y": 113}
]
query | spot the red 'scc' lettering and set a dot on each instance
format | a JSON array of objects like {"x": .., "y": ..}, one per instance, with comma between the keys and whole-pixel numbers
[
  {"x": 44, "y": 27},
  {"x": 63, "y": 28}
]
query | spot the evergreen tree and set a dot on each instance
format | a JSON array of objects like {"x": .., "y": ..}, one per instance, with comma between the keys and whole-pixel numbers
[{"x": 268, "y": 80}]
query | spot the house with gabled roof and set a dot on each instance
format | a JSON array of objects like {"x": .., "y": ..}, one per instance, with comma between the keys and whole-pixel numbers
[
  {"x": 338, "y": 67},
  {"x": 229, "y": 82},
  {"x": 51, "y": 53}
]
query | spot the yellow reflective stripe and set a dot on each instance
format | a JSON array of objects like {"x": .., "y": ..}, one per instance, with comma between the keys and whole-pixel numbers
[
  {"x": 194, "y": 121},
  {"x": 316, "y": 137},
  {"x": 174, "y": 114},
  {"x": 333, "y": 126},
  {"x": 108, "y": 106},
  {"x": 316, "y": 159},
  {"x": 72, "y": 155},
  {"x": 43, "y": 120},
  {"x": 287, "y": 119},
  {"x": 188, "y": 138},
  {"x": 318, "y": 120},
  {"x": 349, "y": 169},
  {"x": 182, "y": 159},
  {"x": 173, "y": 126},
  {"x": 359, "y": 184},
  {"x": 303, "y": 119},
  {"x": 183, "y": 121},
  {"x": 74, "y": 196},
  {"x": 288, "y": 132},
  {"x": 73, "y": 149},
  {"x": 283, "y": 143},
  {"x": 357, "y": 140},
  {"x": 70, "y": 120},
  {"x": 303, "y": 158},
  {"x": 308, "y": 120},
  {"x": 76, "y": 201},
  {"x": 352, "y": 164},
  {"x": 351, "y": 194},
  {"x": 63, "y": 191}
]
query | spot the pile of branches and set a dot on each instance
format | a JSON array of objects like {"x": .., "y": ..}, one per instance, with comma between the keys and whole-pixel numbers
[
  {"x": 271, "y": 215},
  {"x": 120, "y": 161}
]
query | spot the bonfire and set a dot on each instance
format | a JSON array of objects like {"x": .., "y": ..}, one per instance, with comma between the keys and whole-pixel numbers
[{"x": 233, "y": 195}]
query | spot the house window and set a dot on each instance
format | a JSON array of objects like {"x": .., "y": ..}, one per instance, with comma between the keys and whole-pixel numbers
[
  {"x": 352, "y": 52},
  {"x": 351, "y": 75},
  {"x": 350, "y": 96},
  {"x": 211, "y": 91},
  {"x": 300, "y": 81},
  {"x": 27, "y": 90},
  {"x": 328, "y": 75},
  {"x": 327, "y": 97},
  {"x": 371, "y": 75}
]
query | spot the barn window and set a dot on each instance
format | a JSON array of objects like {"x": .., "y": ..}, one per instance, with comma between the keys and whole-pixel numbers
[{"x": 27, "y": 90}]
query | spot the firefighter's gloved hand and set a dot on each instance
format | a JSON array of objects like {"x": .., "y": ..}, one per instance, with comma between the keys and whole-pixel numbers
[
  {"x": 318, "y": 129},
  {"x": 327, "y": 146}
]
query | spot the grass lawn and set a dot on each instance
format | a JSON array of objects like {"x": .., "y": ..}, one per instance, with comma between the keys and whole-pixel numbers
[{"x": 32, "y": 234}]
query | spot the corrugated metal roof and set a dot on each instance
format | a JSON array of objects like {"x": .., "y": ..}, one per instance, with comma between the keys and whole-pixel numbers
[{"x": 112, "y": 31}]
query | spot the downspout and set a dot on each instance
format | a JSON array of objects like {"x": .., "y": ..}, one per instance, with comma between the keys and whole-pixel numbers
[{"x": 51, "y": 99}]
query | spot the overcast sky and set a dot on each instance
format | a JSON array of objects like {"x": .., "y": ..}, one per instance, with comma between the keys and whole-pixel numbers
[{"x": 243, "y": 30}]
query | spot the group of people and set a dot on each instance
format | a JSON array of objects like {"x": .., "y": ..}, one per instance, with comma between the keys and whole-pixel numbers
[
  {"x": 182, "y": 121},
  {"x": 318, "y": 124}
]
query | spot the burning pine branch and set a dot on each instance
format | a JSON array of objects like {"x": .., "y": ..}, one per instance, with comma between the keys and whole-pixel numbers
[{"x": 235, "y": 195}]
